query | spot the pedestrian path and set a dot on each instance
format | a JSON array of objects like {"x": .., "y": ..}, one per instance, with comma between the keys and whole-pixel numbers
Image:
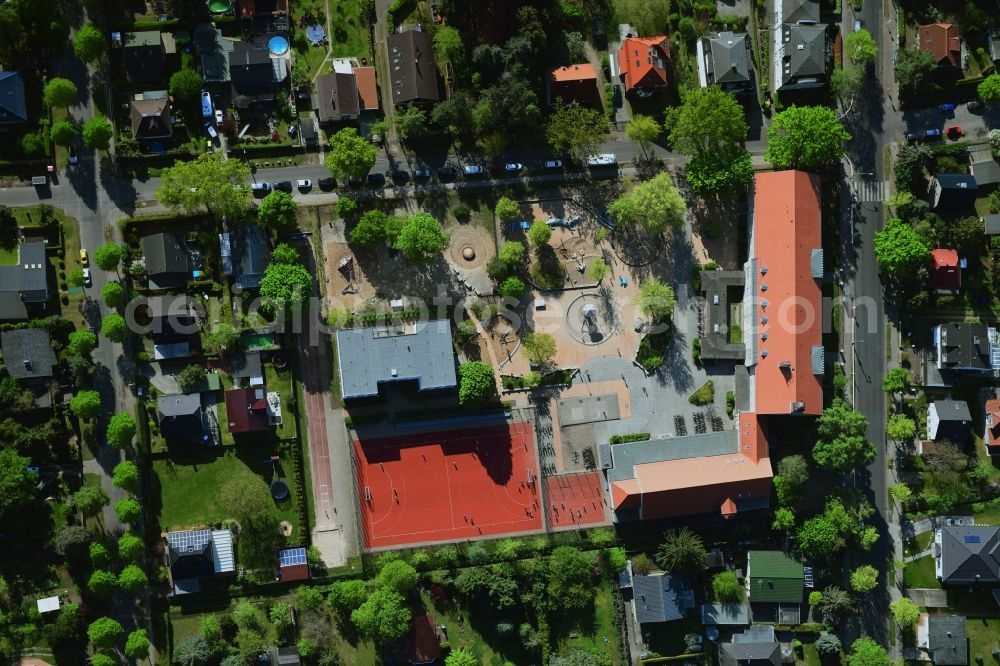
[{"x": 872, "y": 191}]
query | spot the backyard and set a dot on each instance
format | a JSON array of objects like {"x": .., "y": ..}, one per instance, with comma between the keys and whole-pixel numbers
[
  {"x": 920, "y": 573},
  {"x": 348, "y": 33},
  {"x": 984, "y": 637}
]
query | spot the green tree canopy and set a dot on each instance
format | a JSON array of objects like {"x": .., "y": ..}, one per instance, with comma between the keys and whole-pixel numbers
[
  {"x": 371, "y": 229},
  {"x": 100, "y": 556},
  {"x": 707, "y": 120},
  {"x": 828, "y": 645},
  {"x": 454, "y": 115},
  {"x": 108, "y": 256},
  {"x": 17, "y": 484},
  {"x": 383, "y": 617},
  {"x": 71, "y": 542},
  {"x": 190, "y": 377},
  {"x": 461, "y": 657},
  {"x": 277, "y": 211},
  {"x": 86, "y": 405},
  {"x": 346, "y": 206},
  {"x": 477, "y": 384},
  {"x": 805, "y": 137},
  {"x": 901, "y": 428},
  {"x": 539, "y": 233},
  {"x": 59, "y": 92},
  {"x": 864, "y": 578},
  {"x": 904, "y": 612},
  {"x": 511, "y": 253},
  {"x": 989, "y": 89},
  {"x": 286, "y": 285},
  {"x": 655, "y": 204},
  {"x": 539, "y": 348},
  {"x": 223, "y": 337},
  {"x": 350, "y": 155},
  {"x": 137, "y": 644},
  {"x": 206, "y": 182},
  {"x": 105, "y": 632},
  {"x": 88, "y": 44},
  {"x": 113, "y": 294},
  {"x": 900, "y": 492},
  {"x": 397, "y": 575},
  {"x": 130, "y": 546},
  {"x": 819, "y": 539},
  {"x": 186, "y": 85},
  {"x": 512, "y": 287},
  {"x": 102, "y": 583},
  {"x": 784, "y": 520},
  {"x": 285, "y": 254},
  {"x": 897, "y": 380},
  {"x": 125, "y": 475},
  {"x": 571, "y": 578},
  {"x": 128, "y": 510},
  {"x": 90, "y": 500},
  {"x": 914, "y": 71},
  {"x": 64, "y": 133},
  {"x": 132, "y": 578},
  {"x": 723, "y": 171},
  {"x": 682, "y": 551},
  {"x": 643, "y": 130},
  {"x": 860, "y": 49},
  {"x": 842, "y": 445},
  {"x": 448, "y": 45},
  {"x": 847, "y": 82},
  {"x": 576, "y": 130},
  {"x": 422, "y": 239},
  {"x": 834, "y": 603},
  {"x": 866, "y": 652},
  {"x": 900, "y": 251},
  {"x": 347, "y": 595},
  {"x": 656, "y": 300},
  {"x": 726, "y": 588},
  {"x": 410, "y": 123},
  {"x": 598, "y": 270},
  {"x": 97, "y": 133},
  {"x": 121, "y": 430},
  {"x": 507, "y": 209}
]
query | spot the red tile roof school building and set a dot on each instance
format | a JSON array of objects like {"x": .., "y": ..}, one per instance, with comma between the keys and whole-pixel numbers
[{"x": 730, "y": 472}]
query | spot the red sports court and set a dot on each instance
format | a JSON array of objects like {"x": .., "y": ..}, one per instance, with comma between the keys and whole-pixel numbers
[
  {"x": 448, "y": 486},
  {"x": 573, "y": 500}
]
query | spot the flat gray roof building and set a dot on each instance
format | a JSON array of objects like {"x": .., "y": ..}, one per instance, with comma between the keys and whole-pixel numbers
[{"x": 371, "y": 356}]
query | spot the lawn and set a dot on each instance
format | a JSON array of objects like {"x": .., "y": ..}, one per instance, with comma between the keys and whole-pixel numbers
[
  {"x": 984, "y": 636},
  {"x": 919, "y": 544},
  {"x": 190, "y": 483},
  {"x": 464, "y": 634},
  {"x": 281, "y": 381},
  {"x": 8, "y": 255},
  {"x": 349, "y": 32},
  {"x": 920, "y": 573},
  {"x": 596, "y": 634}
]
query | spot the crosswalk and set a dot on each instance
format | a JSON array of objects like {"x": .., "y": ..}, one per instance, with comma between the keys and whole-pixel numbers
[{"x": 871, "y": 191}]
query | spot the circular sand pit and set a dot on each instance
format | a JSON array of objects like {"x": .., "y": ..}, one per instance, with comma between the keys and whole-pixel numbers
[
  {"x": 285, "y": 528},
  {"x": 588, "y": 319},
  {"x": 634, "y": 246},
  {"x": 471, "y": 247}
]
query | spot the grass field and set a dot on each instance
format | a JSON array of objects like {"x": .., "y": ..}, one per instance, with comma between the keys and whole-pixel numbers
[
  {"x": 596, "y": 634},
  {"x": 8, "y": 255},
  {"x": 920, "y": 573},
  {"x": 984, "y": 636}
]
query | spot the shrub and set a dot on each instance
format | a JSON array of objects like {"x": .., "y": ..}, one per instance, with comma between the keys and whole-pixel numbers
[
  {"x": 705, "y": 395},
  {"x": 730, "y": 402},
  {"x": 461, "y": 213},
  {"x": 629, "y": 437}
]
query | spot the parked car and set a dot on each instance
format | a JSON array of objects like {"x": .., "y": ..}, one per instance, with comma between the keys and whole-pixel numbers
[
  {"x": 422, "y": 175},
  {"x": 946, "y": 108},
  {"x": 260, "y": 189},
  {"x": 932, "y": 134},
  {"x": 473, "y": 170},
  {"x": 376, "y": 180},
  {"x": 974, "y": 105},
  {"x": 399, "y": 176},
  {"x": 84, "y": 257},
  {"x": 219, "y": 116},
  {"x": 304, "y": 185},
  {"x": 326, "y": 184},
  {"x": 207, "y": 110},
  {"x": 913, "y": 137},
  {"x": 954, "y": 132},
  {"x": 283, "y": 185},
  {"x": 73, "y": 159},
  {"x": 211, "y": 130},
  {"x": 447, "y": 173},
  {"x": 87, "y": 281},
  {"x": 513, "y": 167},
  {"x": 356, "y": 182},
  {"x": 553, "y": 164},
  {"x": 604, "y": 159},
  {"x": 618, "y": 96}
]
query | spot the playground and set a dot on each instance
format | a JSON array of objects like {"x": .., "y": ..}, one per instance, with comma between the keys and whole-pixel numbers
[{"x": 448, "y": 486}]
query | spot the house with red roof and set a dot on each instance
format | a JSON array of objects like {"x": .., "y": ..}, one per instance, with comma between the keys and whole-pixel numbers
[
  {"x": 946, "y": 272},
  {"x": 573, "y": 84},
  {"x": 991, "y": 434},
  {"x": 247, "y": 410},
  {"x": 944, "y": 42},
  {"x": 642, "y": 64}
]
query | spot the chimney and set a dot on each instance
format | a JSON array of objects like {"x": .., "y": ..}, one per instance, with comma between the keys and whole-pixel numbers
[{"x": 27, "y": 364}]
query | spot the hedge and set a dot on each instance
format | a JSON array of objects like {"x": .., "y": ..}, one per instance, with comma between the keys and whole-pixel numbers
[{"x": 629, "y": 437}]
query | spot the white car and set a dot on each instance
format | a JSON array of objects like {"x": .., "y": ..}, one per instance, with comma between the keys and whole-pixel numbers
[
  {"x": 304, "y": 185},
  {"x": 605, "y": 159},
  {"x": 211, "y": 130},
  {"x": 87, "y": 282},
  {"x": 473, "y": 170},
  {"x": 513, "y": 167},
  {"x": 219, "y": 116}
]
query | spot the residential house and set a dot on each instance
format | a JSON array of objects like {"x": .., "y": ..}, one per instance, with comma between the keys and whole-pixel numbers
[
  {"x": 573, "y": 84},
  {"x": 953, "y": 191},
  {"x": 196, "y": 555},
  {"x": 775, "y": 583},
  {"x": 993, "y": 38},
  {"x": 949, "y": 421},
  {"x": 30, "y": 359},
  {"x": 285, "y": 656},
  {"x": 345, "y": 93},
  {"x": 991, "y": 435},
  {"x": 246, "y": 369},
  {"x": 174, "y": 323},
  {"x": 991, "y": 224},
  {"x": 168, "y": 265},
  {"x": 967, "y": 555},
  {"x": 801, "y": 50},
  {"x": 180, "y": 417},
  {"x": 728, "y": 615},
  {"x": 724, "y": 60},
  {"x": 946, "y": 272},
  {"x": 756, "y": 646},
  {"x": 413, "y": 74},
  {"x": 422, "y": 354},
  {"x": 151, "y": 117},
  {"x": 292, "y": 564},
  {"x": 944, "y": 42},
  {"x": 661, "y": 598},
  {"x": 213, "y": 50},
  {"x": 245, "y": 253},
  {"x": 723, "y": 291},
  {"x": 13, "y": 108},
  {"x": 246, "y": 410},
  {"x": 965, "y": 347},
  {"x": 944, "y": 639},
  {"x": 24, "y": 286},
  {"x": 254, "y": 74},
  {"x": 308, "y": 133},
  {"x": 642, "y": 64},
  {"x": 144, "y": 54},
  {"x": 422, "y": 644},
  {"x": 985, "y": 171}
]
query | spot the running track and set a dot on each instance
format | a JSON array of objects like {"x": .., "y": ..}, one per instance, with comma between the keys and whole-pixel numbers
[{"x": 319, "y": 448}]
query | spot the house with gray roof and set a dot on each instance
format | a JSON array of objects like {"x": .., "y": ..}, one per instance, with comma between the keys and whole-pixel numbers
[
  {"x": 661, "y": 598},
  {"x": 419, "y": 352},
  {"x": 756, "y": 646},
  {"x": 725, "y": 614},
  {"x": 953, "y": 191},
  {"x": 949, "y": 420},
  {"x": 29, "y": 358},
  {"x": 993, "y": 39},
  {"x": 13, "y": 108},
  {"x": 991, "y": 224},
  {"x": 965, "y": 347},
  {"x": 168, "y": 265},
  {"x": 337, "y": 97},
  {"x": 24, "y": 286},
  {"x": 413, "y": 74},
  {"x": 150, "y": 116},
  {"x": 213, "y": 49},
  {"x": 967, "y": 554},
  {"x": 724, "y": 60},
  {"x": 944, "y": 639},
  {"x": 180, "y": 417},
  {"x": 195, "y": 555},
  {"x": 801, "y": 50},
  {"x": 144, "y": 55},
  {"x": 245, "y": 253}
]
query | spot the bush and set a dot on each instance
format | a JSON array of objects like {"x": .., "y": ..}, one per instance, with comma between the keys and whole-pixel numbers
[
  {"x": 461, "y": 213},
  {"x": 696, "y": 351},
  {"x": 629, "y": 437},
  {"x": 730, "y": 403},
  {"x": 705, "y": 395}
]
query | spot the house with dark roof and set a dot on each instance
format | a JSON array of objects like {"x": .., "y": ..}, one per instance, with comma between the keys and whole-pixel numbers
[
  {"x": 174, "y": 323},
  {"x": 801, "y": 51},
  {"x": 180, "y": 417},
  {"x": 168, "y": 265},
  {"x": 944, "y": 42},
  {"x": 144, "y": 55},
  {"x": 723, "y": 290},
  {"x": 246, "y": 410},
  {"x": 245, "y": 253},
  {"x": 953, "y": 191},
  {"x": 643, "y": 64},
  {"x": 346, "y": 92},
  {"x": 985, "y": 171},
  {"x": 573, "y": 84},
  {"x": 371, "y": 357},
  {"x": 661, "y": 598},
  {"x": 195, "y": 555},
  {"x": 946, "y": 272},
  {"x": 949, "y": 421},
  {"x": 965, "y": 347},
  {"x": 13, "y": 108},
  {"x": 246, "y": 369},
  {"x": 720, "y": 614},
  {"x": 213, "y": 50},
  {"x": 993, "y": 39},
  {"x": 756, "y": 646},
  {"x": 151, "y": 118},
  {"x": 251, "y": 75},
  {"x": 724, "y": 60},
  {"x": 991, "y": 434},
  {"x": 967, "y": 555},
  {"x": 413, "y": 74},
  {"x": 30, "y": 359},
  {"x": 24, "y": 286},
  {"x": 944, "y": 639}
]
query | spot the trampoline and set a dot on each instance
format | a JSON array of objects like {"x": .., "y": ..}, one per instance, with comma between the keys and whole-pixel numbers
[
  {"x": 182, "y": 37},
  {"x": 277, "y": 45},
  {"x": 219, "y": 6},
  {"x": 315, "y": 34},
  {"x": 279, "y": 490}
]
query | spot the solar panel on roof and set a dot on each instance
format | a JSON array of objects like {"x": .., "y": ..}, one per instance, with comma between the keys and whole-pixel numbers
[
  {"x": 292, "y": 556},
  {"x": 973, "y": 538},
  {"x": 189, "y": 542}
]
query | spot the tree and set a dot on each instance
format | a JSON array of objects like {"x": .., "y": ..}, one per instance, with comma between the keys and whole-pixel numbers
[
  {"x": 901, "y": 428},
  {"x": 113, "y": 294},
  {"x": 89, "y": 500},
  {"x": 904, "y": 612},
  {"x": 477, "y": 385},
  {"x": 507, "y": 209},
  {"x": 682, "y": 550},
  {"x": 989, "y": 89},
  {"x": 454, "y": 115},
  {"x": 88, "y": 44},
  {"x": 63, "y": 133},
  {"x": 277, "y": 211},
  {"x": 847, "y": 82},
  {"x": 655, "y": 204},
  {"x": 86, "y": 405},
  {"x": 859, "y": 46},
  {"x": 102, "y": 659},
  {"x": 398, "y": 576},
  {"x": 125, "y": 475},
  {"x": 121, "y": 430},
  {"x": 512, "y": 287},
  {"x": 190, "y": 377},
  {"x": 128, "y": 510},
  {"x": 656, "y": 300},
  {"x": 132, "y": 578},
  {"x": 866, "y": 652},
  {"x": 31, "y": 143},
  {"x": 222, "y": 338},
  {"x": 247, "y": 499},
  {"x": 192, "y": 651},
  {"x": 833, "y": 603},
  {"x": 17, "y": 483},
  {"x": 900, "y": 251},
  {"x": 864, "y": 578},
  {"x": 708, "y": 119},
  {"x": 914, "y": 71},
  {"x": 249, "y": 644},
  {"x": 570, "y": 578},
  {"x": 280, "y": 617},
  {"x": 285, "y": 285},
  {"x": 842, "y": 445},
  {"x": 137, "y": 644},
  {"x": 422, "y": 239},
  {"x": 185, "y": 85},
  {"x": 383, "y": 617},
  {"x": 727, "y": 588},
  {"x": 539, "y": 348},
  {"x": 347, "y": 595},
  {"x": 410, "y": 122},
  {"x": 108, "y": 256},
  {"x": 598, "y": 270},
  {"x": 448, "y": 46},
  {"x": 643, "y": 130},
  {"x": 350, "y": 155},
  {"x": 219, "y": 186},
  {"x": 76, "y": 278},
  {"x": 130, "y": 546},
  {"x": 795, "y": 470},
  {"x": 97, "y": 133},
  {"x": 461, "y": 657},
  {"x": 897, "y": 380},
  {"x": 828, "y": 645},
  {"x": 104, "y": 632},
  {"x": 71, "y": 542},
  {"x": 346, "y": 206},
  {"x": 511, "y": 253},
  {"x": 100, "y": 556},
  {"x": 784, "y": 520},
  {"x": 539, "y": 233},
  {"x": 102, "y": 583},
  {"x": 59, "y": 92},
  {"x": 576, "y": 130},
  {"x": 722, "y": 172},
  {"x": 818, "y": 538},
  {"x": 370, "y": 229},
  {"x": 900, "y": 493},
  {"x": 805, "y": 137}
]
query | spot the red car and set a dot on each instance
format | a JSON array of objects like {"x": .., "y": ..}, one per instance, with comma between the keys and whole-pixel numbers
[{"x": 954, "y": 132}]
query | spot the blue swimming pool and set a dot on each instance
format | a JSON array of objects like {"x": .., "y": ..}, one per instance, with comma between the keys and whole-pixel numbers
[{"x": 277, "y": 45}]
